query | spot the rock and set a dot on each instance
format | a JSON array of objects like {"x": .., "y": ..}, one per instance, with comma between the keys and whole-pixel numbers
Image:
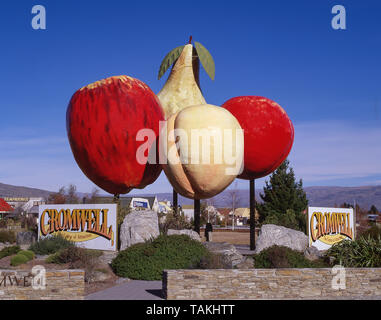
[
  {"x": 26, "y": 238},
  {"x": 138, "y": 226},
  {"x": 271, "y": 235},
  {"x": 312, "y": 253},
  {"x": 193, "y": 234},
  {"x": 108, "y": 256},
  {"x": 246, "y": 263},
  {"x": 99, "y": 276},
  {"x": 231, "y": 256}
]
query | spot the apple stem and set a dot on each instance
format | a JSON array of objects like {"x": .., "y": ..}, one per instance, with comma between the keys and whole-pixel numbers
[{"x": 190, "y": 40}]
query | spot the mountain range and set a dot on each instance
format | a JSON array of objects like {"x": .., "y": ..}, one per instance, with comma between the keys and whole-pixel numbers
[{"x": 317, "y": 196}]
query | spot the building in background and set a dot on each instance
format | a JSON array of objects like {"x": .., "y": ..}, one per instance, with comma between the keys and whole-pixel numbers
[
  {"x": 5, "y": 208},
  {"x": 165, "y": 206},
  {"x": 24, "y": 206},
  {"x": 134, "y": 203},
  {"x": 188, "y": 210}
]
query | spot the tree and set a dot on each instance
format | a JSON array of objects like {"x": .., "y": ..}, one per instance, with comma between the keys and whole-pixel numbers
[
  {"x": 71, "y": 195},
  {"x": 58, "y": 198},
  {"x": 64, "y": 195},
  {"x": 235, "y": 198},
  {"x": 284, "y": 199},
  {"x": 373, "y": 210}
]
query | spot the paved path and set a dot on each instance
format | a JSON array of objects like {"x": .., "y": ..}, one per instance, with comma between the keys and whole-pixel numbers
[{"x": 131, "y": 290}]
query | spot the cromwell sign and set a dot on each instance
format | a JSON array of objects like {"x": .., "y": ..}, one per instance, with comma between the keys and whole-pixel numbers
[
  {"x": 328, "y": 226},
  {"x": 91, "y": 226}
]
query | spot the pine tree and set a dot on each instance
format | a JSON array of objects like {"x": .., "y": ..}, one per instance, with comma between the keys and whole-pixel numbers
[{"x": 284, "y": 199}]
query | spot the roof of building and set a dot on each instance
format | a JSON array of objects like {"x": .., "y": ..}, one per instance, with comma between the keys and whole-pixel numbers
[
  {"x": 5, "y": 206},
  {"x": 126, "y": 201},
  {"x": 187, "y": 206},
  {"x": 224, "y": 211},
  {"x": 245, "y": 213}
]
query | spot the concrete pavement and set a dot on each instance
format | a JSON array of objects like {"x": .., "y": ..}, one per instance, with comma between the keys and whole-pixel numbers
[{"x": 131, "y": 290}]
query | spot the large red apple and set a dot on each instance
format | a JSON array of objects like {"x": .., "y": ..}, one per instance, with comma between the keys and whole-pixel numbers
[
  {"x": 268, "y": 133},
  {"x": 102, "y": 122}
]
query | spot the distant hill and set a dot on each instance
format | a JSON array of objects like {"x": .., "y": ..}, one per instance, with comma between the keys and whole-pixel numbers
[
  {"x": 317, "y": 196},
  {"x": 7, "y": 190}
]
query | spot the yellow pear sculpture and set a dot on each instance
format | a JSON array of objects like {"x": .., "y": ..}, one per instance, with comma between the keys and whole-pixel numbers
[
  {"x": 195, "y": 170},
  {"x": 182, "y": 87}
]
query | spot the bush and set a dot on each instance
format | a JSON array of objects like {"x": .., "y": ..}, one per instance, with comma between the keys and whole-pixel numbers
[
  {"x": 363, "y": 252},
  {"x": 19, "y": 259},
  {"x": 28, "y": 253},
  {"x": 173, "y": 220},
  {"x": 146, "y": 261},
  {"x": 50, "y": 245},
  {"x": 213, "y": 261},
  {"x": 7, "y": 236},
  {"x": 77, "y": 258},
  {"x": 283, "y": 257},
  {"x": 9, "y": 251},
  {"x": 373, "y": 232}
]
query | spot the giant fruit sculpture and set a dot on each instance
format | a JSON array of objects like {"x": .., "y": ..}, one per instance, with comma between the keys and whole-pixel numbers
[
  {"x": 186, "y": 111},
  {"x": 269, "y": 134},
  {"x": 182, "y": 87},
  {"x": 197, "y": 141},
  {"x": 102, "y": 122}
]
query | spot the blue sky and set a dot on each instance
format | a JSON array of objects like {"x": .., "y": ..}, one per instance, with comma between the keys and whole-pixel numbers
[{"x": 328, "y": 81}]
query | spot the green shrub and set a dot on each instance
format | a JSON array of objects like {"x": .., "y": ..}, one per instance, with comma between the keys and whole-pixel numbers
[
  {"x": 7, "y": 236},
  {"x": 9, "y": 251},
  {"x": 50, "y": 245},
  {"x": 19, "y": 259},
  {"x": 28, "y": 253},
  {"x": 363, "y": 252},
  {"x": 146, "y": 261},
  {"x": 213, "y": 261},
  {"x": 53, "y": 258},
  {"x": 374, "y": 232},
  {"x": 283, "y": 257},
  {"x": 77, "y": 258}
]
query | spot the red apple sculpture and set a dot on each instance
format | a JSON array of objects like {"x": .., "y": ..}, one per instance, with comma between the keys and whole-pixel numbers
[
  {"x": 268, "y": 134},
  {"x": 102, "y": 122}
]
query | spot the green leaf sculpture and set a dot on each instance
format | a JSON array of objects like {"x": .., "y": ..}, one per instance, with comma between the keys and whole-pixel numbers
[
  {"x": 169, "y": 59},
  {"x": 206, "y": 59},
  {"x": 202, "y": 53}
]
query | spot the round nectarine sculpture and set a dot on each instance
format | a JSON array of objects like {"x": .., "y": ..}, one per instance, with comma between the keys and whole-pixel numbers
[{"x": 203, "y": 149}]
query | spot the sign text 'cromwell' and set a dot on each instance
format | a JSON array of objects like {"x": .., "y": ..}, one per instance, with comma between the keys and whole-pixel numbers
[{"x": 84, "y": 220}]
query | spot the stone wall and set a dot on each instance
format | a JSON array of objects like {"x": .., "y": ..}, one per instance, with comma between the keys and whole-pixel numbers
[
  {"x": 60, "y": 285},
  {"x": 269, "y": 284}
]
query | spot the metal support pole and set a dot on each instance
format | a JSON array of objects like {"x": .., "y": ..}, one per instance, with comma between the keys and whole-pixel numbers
[
  {"x": 252, "y": 214},
  {"x": 175, "y": 201},
  {"x": 197, "y": 214}
]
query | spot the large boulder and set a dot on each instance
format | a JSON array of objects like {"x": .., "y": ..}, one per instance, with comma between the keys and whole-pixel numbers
[
  {"x": 26, "y": 238},
  {"x": 138, "y": 226},
  {"x": 231, "y": 256},
  {"x": 193, "y": 234},
  {"x": 271, "y": 235},
  {"x": 312, "y": 253}
]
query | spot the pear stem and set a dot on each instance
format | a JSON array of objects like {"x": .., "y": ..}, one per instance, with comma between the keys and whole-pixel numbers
[{"x": 190, "y": 40}]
